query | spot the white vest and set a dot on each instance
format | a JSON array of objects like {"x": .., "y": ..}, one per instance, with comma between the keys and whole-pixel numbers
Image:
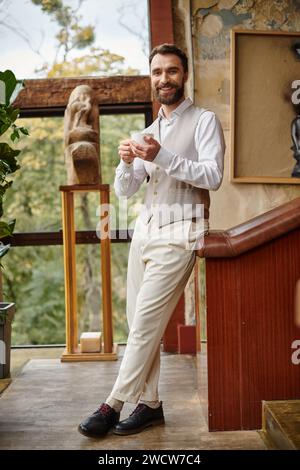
[{"x": 168, "y": 199}]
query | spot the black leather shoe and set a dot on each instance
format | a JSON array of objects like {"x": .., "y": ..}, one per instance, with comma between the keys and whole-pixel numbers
[
  {"x": 100, "y": 422},
  {"x": 142, "y": 417}
]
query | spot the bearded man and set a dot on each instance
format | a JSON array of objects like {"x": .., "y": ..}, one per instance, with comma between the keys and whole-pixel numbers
[{"x": 182, "y": 161}]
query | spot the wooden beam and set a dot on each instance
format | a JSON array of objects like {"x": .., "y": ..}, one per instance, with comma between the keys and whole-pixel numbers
[
  {"x": 55, "y": 92},
  {"x": 56, "y": 238}
]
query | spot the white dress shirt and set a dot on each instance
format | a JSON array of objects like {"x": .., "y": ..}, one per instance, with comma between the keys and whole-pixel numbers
[{"x": 205, "y": 173}]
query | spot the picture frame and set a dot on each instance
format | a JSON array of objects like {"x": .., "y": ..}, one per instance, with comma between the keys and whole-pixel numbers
[{"x": 263, "y": 67}]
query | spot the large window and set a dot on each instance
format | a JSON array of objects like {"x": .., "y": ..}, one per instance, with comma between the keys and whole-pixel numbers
[
  {"x": 51, "y": 39},
  {"x": 33, "y": 276}
]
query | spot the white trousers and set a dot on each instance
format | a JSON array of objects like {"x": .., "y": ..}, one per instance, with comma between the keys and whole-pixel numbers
[{"x": 159, "y": 265}]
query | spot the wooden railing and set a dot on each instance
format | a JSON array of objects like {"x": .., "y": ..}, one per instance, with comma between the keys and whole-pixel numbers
[{"x": 251, "y": 275}]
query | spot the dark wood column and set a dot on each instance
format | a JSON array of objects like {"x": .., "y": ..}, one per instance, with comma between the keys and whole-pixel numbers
[
  {"x": 160, "y": 28},
  {"x": 161, "y": 22},
  {"x": 161, "y": 31}
]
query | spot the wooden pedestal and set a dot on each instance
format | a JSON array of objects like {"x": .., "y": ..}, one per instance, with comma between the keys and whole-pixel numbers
[
  {"x": 72, "y": 352},
  {"x": 94, "y": 356}
]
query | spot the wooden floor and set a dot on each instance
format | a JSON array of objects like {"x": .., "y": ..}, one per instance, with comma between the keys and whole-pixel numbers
[
  {"x": 281, "y": 424},
  {"x": 47, "y": 399}
]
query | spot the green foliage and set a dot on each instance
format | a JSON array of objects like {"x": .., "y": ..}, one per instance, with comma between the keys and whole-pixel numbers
[
  {"x": 34, "y": 280},
  {"x": 96, "y": 62},
  {"x": 48, "y": 6},
  {"x": 10, "y": 87}
]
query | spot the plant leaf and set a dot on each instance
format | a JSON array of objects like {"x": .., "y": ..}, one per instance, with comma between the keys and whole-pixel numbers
[
  {"x": 5, "y": 121},
  {"x": 6, "y": 229},
  {"x": 24, "y": 130},
  {"x": 12, "y": 86},
  {"x": 4, "y": 249},
  {"x": 15, "y": 135},
  {"x": 10, "y": 81},
  {"x": 7, "y": 157},
  {"x": 13, "y": 113}
]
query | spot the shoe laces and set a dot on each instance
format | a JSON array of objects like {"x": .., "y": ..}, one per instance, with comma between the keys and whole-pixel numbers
[{"x": 105, "y": 409}]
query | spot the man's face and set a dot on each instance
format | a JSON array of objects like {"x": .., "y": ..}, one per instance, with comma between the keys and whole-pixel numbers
[{"x": 167, "y": 78}]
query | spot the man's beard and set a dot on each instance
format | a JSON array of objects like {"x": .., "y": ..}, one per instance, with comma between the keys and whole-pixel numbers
[{"x": 173, "y": 98}]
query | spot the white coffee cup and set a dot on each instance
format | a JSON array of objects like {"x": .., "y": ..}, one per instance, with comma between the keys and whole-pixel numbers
[{"x": 138, "y": 136}]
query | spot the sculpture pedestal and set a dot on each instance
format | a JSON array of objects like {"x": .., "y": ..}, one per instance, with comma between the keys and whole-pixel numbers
[{"x": 109, "y": 349}]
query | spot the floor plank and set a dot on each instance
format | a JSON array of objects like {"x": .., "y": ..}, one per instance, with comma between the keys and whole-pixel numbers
[{"x": 45, "y": 402}]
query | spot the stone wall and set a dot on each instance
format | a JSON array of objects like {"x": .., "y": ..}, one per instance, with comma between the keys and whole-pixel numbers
[{"x": 202, "y": 29}]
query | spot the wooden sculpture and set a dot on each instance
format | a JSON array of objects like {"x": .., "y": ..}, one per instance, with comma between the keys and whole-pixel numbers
[{"x": 81, "y": 132}]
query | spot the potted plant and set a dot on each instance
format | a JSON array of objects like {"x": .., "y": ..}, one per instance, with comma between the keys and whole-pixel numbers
[{"x": 9, "y": 89}]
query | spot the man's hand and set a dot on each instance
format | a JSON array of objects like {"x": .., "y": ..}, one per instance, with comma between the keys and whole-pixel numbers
[
  {"x": 148, "y": 151},
  {"x": 125, "y": 151}
]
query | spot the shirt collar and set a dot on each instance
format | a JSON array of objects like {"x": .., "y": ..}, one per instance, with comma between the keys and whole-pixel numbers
[{"x": 177, "y": 111}]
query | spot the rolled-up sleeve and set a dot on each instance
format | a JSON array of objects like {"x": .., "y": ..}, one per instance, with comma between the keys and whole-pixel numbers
[
  {"x": 129, "y": 177},
  {"x": 207, "y": 172}
]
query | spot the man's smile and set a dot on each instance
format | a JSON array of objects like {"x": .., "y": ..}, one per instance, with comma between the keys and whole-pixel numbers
[{"x": 167, "y": 89}]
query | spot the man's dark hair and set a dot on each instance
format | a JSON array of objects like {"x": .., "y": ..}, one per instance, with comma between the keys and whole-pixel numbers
[{"x": 170, "y": 49}]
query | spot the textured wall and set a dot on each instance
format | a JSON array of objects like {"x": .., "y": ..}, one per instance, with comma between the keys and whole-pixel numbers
[{"x": 202, "y": 28}]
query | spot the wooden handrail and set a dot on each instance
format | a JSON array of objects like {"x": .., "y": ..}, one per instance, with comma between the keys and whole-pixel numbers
[{"x": 253, "y": 233}]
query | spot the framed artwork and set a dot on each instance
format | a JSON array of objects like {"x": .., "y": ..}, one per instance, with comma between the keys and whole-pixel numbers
[{"x": 264, "y": 67}]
